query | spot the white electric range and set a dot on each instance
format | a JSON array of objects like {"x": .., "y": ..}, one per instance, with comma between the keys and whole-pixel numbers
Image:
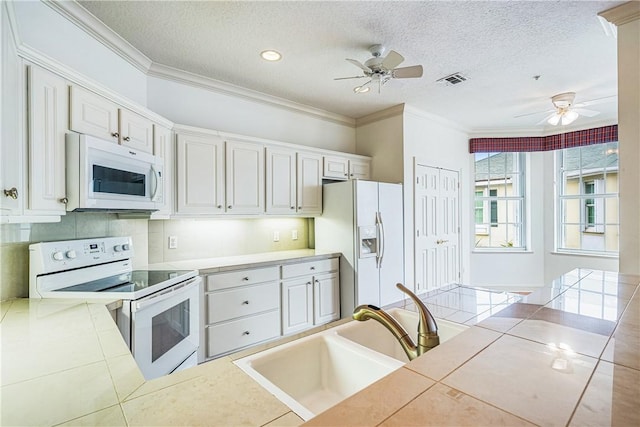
[{"x": 160, "y": 314}]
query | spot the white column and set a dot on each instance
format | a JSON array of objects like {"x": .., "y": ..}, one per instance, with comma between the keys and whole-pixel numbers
[{"x": 627, "y": 18}]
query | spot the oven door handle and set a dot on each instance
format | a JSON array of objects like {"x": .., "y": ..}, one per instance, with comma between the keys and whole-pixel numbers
[{"x": 166, "y": 294}]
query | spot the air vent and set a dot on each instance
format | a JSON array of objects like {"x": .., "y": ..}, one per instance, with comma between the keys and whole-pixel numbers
[{"x": 452, "y": 79}]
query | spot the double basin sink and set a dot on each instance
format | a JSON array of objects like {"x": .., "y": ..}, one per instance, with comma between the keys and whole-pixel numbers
[{"x": 313, "y": 373}]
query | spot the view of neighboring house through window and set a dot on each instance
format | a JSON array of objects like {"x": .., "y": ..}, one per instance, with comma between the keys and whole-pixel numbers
[
  {"x": 499, "y": 200},
  {"x": 587, "y": 188}
]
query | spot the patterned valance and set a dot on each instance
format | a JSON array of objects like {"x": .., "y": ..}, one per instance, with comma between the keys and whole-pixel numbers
[{"x": 577, "y": 138}]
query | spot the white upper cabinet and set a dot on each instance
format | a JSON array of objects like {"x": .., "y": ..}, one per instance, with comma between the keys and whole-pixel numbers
[
  {"x": 48, "y": 100},
  {"x": 94, "y": 115},
  {"x": 163, "y": 147},
  {"x": 136, "y": 131},
  {"x": 281, "y": 181},
  {"x": 309, "y": 183},
  {"x": 343, "y": 168},
  {"x": 245, "y": 177},
  {"x": 200, "y": 174}
]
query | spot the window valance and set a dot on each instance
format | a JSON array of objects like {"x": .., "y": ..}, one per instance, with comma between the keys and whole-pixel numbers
[{"x": 577, "y": 138}]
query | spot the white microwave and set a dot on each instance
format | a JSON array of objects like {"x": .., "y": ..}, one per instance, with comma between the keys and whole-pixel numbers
[{"x": 104, "y": 176}]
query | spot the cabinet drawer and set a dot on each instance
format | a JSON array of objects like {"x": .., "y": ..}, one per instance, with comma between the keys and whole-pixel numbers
[
  {"x": 241, "y": 278},
  {"x": 309, "y": 267},
  {"x": 244, "y": 301},
  {"x": 225, "y": 337}
]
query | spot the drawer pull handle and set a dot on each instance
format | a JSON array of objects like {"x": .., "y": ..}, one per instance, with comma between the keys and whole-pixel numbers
[
  {"x": 246, "y": 333},
  {"x": 313, "y": 268},
  {"x": 245, "y": 302},
  {"x": 126, "y": 138},
  {"x": 115, "y": 134},
  {"x": 245, "y": 279}
]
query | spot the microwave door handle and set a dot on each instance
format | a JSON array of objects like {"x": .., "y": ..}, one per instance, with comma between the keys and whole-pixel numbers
[{"x": 157, "y": 178}]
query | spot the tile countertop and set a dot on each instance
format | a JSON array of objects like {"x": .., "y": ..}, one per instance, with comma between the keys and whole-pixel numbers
[{"x": 567, "y": 354}]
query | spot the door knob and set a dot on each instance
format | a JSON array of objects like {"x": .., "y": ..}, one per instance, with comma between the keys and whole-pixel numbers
[{"x": 115, "y": 134}]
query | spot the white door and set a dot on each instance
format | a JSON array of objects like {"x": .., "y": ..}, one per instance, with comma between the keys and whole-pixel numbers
[
  {"x": 136, "y": 131},
  {"x": 94, "y": 115},
  {"x": 48, "y": 118},
  {"x": 392, "y": 243},
  {"x": 297, "y": 305},
  {"x": 245, "y": 177},
  {"x": 326, "y": 298},
  {"x": 281, "y": 181},
  {"x": 309, "y": 183},
  {"x": 436, "y": 216},
  {"x": 200, "y": 174}
]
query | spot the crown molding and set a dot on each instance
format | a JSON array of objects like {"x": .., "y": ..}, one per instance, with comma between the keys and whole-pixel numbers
[
  {"x": 81, "y": 17},
  {"x": 185, "y": 77},
  {"x": 13, "y": 24},
  {"x": 623, "y": 14},
  {"x": 396, "y": 110}
]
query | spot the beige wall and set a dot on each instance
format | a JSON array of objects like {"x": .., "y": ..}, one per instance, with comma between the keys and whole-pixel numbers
[{"x": 209, "y": 238}]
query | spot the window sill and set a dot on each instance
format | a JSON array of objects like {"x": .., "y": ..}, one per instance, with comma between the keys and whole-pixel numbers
[
  {"x": 583, "y": 254},
  {"x": 501, "y": 251}
]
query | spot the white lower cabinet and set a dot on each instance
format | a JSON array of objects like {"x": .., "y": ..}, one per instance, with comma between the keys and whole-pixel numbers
[
  {"x": 248, "y": 306},
  {"x": 310, "y": 294}
]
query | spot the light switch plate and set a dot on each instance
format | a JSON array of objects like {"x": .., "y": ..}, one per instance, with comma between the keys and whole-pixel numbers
[
  {"x": 276, "y": 236},
  {"x": 294, "y": 234}
]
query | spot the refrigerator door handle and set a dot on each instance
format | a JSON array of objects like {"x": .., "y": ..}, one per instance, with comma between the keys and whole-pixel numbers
[{"x": 380, "y": 225}]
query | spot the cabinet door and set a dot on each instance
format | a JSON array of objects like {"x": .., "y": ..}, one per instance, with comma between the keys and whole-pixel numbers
[
  {"x": 163, "y": 147},
  {"x": 200, "y": 174},
  {"x": 93, "y": 115},
  {"x": 48, "y": 118},
  {"x": 309, "y": 183},
  {"x": 335, "y": 168},
  {"x": 136, "y": 131},
  {"x": 359, "y": 169},
  {"x": 326, "y": 298},
  {"x": 245, "y": 178},
  {"x": 297, "y": 305},
  {"x": 281, "y": 181}
]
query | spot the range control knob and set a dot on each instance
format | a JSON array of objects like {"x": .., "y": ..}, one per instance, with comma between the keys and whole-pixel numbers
[
  {"x": 58, "y": 256},
  {"x": 117, "y": 248},
  {"x": 126, "y": 247},
  {"x": 71, "y": 254}
]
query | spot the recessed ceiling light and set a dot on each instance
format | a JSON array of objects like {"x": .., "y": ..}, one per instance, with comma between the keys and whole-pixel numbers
[{"x": 270, "y": 55}]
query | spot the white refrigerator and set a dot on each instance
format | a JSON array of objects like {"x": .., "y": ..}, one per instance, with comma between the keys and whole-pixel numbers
[{"x": 364, "y": 221}]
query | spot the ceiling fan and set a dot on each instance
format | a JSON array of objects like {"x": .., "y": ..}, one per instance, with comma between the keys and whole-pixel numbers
[
  {"x": 564, "y": 110},
  {"x": 381, "y": 69}
]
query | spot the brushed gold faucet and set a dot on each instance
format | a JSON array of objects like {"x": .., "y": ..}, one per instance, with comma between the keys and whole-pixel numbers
[{"x": 427, "y": 327}]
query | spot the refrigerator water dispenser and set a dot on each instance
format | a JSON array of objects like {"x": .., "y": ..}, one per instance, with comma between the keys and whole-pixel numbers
[{"x": 368, "y": 238}]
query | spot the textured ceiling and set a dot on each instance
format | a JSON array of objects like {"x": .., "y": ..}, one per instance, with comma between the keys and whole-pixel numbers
[{"x": 500, "y": 46}]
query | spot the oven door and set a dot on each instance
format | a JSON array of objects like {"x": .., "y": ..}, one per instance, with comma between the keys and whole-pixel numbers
[{"x": 165, "y": 328}]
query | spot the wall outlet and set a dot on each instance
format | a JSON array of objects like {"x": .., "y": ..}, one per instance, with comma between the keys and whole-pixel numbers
[
  {"x": 294, "y": 234},
  {"x": 276, "y": 236},
  {"x": 173, "y": 242}
]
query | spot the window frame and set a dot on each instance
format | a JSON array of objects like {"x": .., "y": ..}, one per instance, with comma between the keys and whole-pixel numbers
[
  {"x": 594, "y": 179},
  {"x": 492, "y": 204}
]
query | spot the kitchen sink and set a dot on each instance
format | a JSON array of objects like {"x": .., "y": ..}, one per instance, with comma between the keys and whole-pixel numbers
[
  {"x": 375, "y": 336},
  {"x": 313, "y": 373}
]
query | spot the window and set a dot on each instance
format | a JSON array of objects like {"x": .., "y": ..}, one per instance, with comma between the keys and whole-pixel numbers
[
  {"x": 587, "y": 205},
  {"x": 499, "y": 200}
]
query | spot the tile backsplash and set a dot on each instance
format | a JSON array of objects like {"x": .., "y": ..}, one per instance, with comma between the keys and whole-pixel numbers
[
  {"x": 196, "y": 239},
  {"x": 15, "y": 240},
  {"x": 210, "y": 238}
]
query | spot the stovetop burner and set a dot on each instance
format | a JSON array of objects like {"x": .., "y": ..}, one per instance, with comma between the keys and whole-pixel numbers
[{"x": 132, "y": 281}]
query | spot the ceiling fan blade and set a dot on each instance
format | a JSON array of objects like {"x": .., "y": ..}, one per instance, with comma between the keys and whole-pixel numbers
[
  {"x": 585, "y": 112},
  {"x": 548, "y": 117},
  {"x": 346, "y": 78},
  {"x": 407, "y": 72},
  {"x": 359, "y": 65},
  {"x": 392, "y": 60},
  {"x": 596, "y": 101},
  {"x": 533, "y": 114}
]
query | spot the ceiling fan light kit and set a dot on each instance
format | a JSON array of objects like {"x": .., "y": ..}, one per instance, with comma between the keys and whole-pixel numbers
[{"x": 382, "y": 69}]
